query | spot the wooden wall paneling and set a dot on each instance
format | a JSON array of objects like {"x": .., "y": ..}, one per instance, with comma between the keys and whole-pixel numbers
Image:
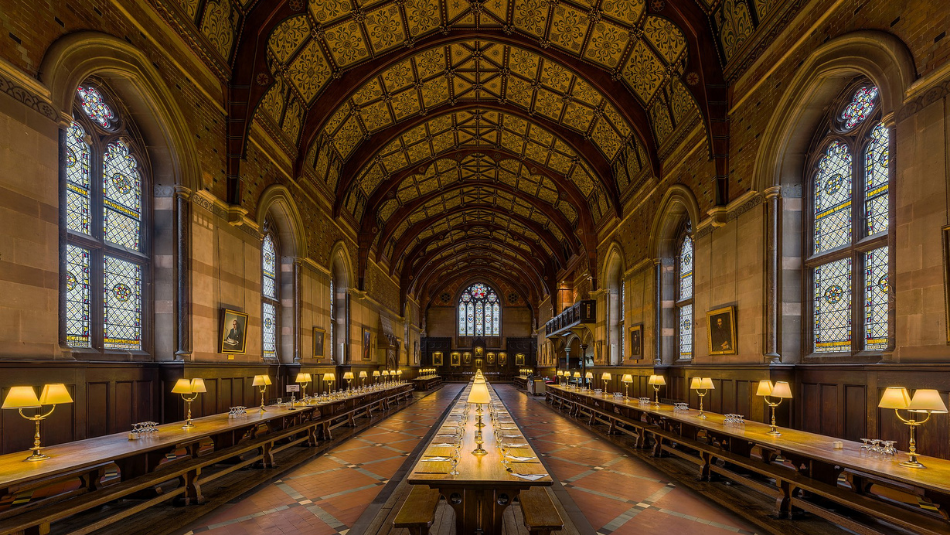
[
  {"x": 855, "y": 401},
  {"x": 123, "y": 405},
  {"x": 98, "y": 408},
  {"x": 828, "y": 421}
]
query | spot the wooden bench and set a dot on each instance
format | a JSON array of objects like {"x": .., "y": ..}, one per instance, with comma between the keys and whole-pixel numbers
[
  {"x": 540, "y": 514},
  {"x": 418, "y": 511}
]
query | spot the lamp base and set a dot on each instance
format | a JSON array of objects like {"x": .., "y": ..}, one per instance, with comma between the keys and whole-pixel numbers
[
  {"x": 188, "y": 425},
  {"x": 37, "y": 456},
  {"x": 479, "y": 450},
  {"x": 774, "y": 433},
  {"x": 906, "y": 464}
]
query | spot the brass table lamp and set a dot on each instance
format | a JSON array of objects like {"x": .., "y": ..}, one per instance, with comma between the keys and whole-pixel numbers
[
  {"x": 399, "y": 375},
  {"x": 702, "y": 386},
  {"x": 348, "y": 377},
  {"x": 262, "y": 381},
  {"x": 656, "y": 381},
  {"x": 362, "y": 378},
  {"x": 925, "y": 401},
  {"x": 24, "y": 397},
  {"x": 605, "y": 377},
  {"x": 303, "y": 379},
  {"x": 375, "y": 376},
  {"x": 329, "y": 377},
  {"x": 385, "y": 376},
  {"x": 780, "y": 390},
  {"x": 577, "y": 377},
  {"x": 479, "y": 396},
  {"x": 189, "y": 388},
  {"x": 626, "y": 380},
  {"x": 588, "y": 377}
]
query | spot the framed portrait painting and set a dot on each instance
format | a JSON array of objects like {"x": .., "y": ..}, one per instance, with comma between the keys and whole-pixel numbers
[
  {"x": 519, "y": 359},
  {"x": 491, "y": 358},
  {"x": 455, "y": 359},
  {"x": 367, "y": 344},
  {"x": 467, "y": 358},
  {"x": 319, "y": 342},
  {"x": 233, "y": 332},
  {"x": 502, "y": 358},
  {"x": 636, "y": 341},
  {"x": 721, "y": 331},
  {"x": 437, "y": 358}
]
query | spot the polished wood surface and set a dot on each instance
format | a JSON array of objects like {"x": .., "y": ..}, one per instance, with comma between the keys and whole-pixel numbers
[{"x": 936, "y": 476}]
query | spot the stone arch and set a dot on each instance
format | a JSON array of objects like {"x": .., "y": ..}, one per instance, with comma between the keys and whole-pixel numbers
[
  {"x": 342, "y": 277},
  {"x": 277, "y": 203},
  {"x": 612, "y": 275}
]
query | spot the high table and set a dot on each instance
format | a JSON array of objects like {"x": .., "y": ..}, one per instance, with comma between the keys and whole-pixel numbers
[
  {"x": 87, "y": 473},
  {"x": 483, "y": 488},
  {"x": 803, "y": 465}
]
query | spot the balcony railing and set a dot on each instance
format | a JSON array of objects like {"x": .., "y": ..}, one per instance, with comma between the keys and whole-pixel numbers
[{"x": 578, "y": 313}]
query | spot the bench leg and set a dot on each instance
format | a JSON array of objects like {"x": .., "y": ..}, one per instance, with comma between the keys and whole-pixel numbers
[
  {"x": 267, "y": 455},
  {"x": 192, "y": 488}
]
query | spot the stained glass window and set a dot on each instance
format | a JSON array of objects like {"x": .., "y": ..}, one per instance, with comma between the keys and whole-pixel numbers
[
  {"x": 850, "y": 260},
  {"x": 105, "y": 265},
  {"x": 833, "y": 198},
  {"x": 876, "y": 180},
  {"x": 832, "y": 283},
  {"x": 875, "y": 299},
  {"x": 269, "y": 298},
  {"x": 623, "y": 332},
  {"x": 332, "y": 321},
  {"x": 77, "y": 179},
  {"x": 686, "y": 332},
  {"x": 123, "y": 304},
  {"x": 686, "y": 269},
  {"x": 77, "y": 296},
  {"x": 122, "y": 196},
  {"x": 95, "y": 106},
  {"x": 479, "y": 311},
  {"x": 862, "y": 104}
]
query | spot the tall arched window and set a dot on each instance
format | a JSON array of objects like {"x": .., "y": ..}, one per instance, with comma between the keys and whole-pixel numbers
[
  {"x": 107, "y": 261},
  {"x": 620, "y": 324},
  {"x": 684, "y": 296},
  {"x": 848, "y": 259},
  {"x": 479, "y": 311},
  {"x": 270, "y": 303},
  {"x": 332, "y": 323}
]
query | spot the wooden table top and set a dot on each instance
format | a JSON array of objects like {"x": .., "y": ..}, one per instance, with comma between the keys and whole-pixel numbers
[
  {"x": 93, "y": 451},
  {"x": 477, "y": 471},
  {"x": 936, "y": 475}
]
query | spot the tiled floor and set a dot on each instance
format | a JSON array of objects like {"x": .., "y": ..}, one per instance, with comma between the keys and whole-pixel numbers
[
  {"x": 616, "y": 493},
  {"x": 328, "y": 494}
]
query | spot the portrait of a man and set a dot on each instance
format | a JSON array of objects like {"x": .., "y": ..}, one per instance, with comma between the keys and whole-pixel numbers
[
  {"x": 636, "y": 341},
  {"x": 722, "y": 331},
  {"x": 233, "y": 331}
]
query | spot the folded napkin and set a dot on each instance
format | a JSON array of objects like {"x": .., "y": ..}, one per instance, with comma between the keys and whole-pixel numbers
[
  {"x": 433, "y": 467},
  {"x": 519, "y": 445},
  {"x": 530, "y": 477},
  {"x": 436, "y": 459},
  {"x": 510, "y": 436},
  {"x": 443, "y": 445},
  {"x": 521, "y": 459}
]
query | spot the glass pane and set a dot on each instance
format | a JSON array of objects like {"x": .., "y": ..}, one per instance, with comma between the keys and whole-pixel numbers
[
  {"x": 833, "y": 198},
  {"x": 269, "y": 331},
  {"x": 462, "y": 320},
  {"x": 875, "y": 181},
  {"x": 332, "y": 319},
  {"x": 123, "y": 304},
  {"x": 488, "y": 320},
  {"x": 860, "y": 107},
  {"x": 479, "y": 319},
  {"x": 77, "y": 296},
  {"x": 95, "y": 107},
  {"x": 478, "y": 291},
  {"x": 875, "y": 299},
  {"x": 122, "y": 196},
  {"x": 269, "y": 267},
  {"x": 623, "y": 299},
  {"x": 686, "y": 331},
  {"x": 833, "y": 306},
  {"x": 496, "y": 320},
  {"x": 470, "y": 321},
  {"x": 686, "y": 268},
  {"x": 77, "y": 179}
]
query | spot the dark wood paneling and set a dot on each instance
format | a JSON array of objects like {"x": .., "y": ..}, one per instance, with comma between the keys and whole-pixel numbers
[
  {"x": 124, "y": 408},
  {"x": 855, "y": 423},
  {"x": 98, "y": 408},
  {"x": 829, "y": 410}
]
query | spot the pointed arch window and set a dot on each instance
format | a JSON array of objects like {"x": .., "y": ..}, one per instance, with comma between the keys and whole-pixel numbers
[
  {"x": 684, "y": 297},
  {"x": 849, "y": 256},
  {"x": 270, "y": 303},
  {"x": 106, "y": 262},
  {"x": 620, "y": 324},
  {"x": 479, "y": 311}
]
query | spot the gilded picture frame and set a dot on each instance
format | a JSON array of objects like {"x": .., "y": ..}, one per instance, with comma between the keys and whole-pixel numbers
[
  {"x": 437, "y": 358},
  {"x": 636, "y": 341},
  {"x": 233, "y": 329},
  {"x": 319, "y": 343},
  {"x": 455, "y": 359},
  {"x": 721, "y": 331}
]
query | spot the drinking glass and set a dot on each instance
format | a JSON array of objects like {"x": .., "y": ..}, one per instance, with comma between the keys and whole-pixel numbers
[
  {"x": 876, "y": 445},
  {"x": 867, "y": 444}
]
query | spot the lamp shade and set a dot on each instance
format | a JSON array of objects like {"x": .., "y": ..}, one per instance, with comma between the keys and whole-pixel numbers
[
  {"x": 329, "y": 377},
  {"x": 398, "y": 372},
  {"x": 895, "y": 397},
  {"x": 627, "y": 378},
  {"x": 260, "y": 380},
  {"x": 386, "y": 373},
  {"x": 303, "y": 378},
  {"x": 707, "y": 384},
  {"x": 362, "y": 375},
  {"x": 589, "y": 375},
  {"x": 694, "y": 383},
  {"x": 375, "y": 373},
  {"x": 198, "y": 385},
  {"x": 55, "y": 394},
  {"x": 182, "y": 386},
  {"x": 347, "y": 376},
  {"x": 577, "y": 375},
  {"x": 605, "y": 376},
  {"x": 782, "y": 390},
  {"x": 21, "y": 397},
  {"x": 765, "y": 388},
  {"x": 657, "y": 380},
  {"x": 479, "y": 394},
  {"x": 924, "y": 400}
]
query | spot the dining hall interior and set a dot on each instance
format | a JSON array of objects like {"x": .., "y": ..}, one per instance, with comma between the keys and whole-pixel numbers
[{"x": 474, "y": 267}]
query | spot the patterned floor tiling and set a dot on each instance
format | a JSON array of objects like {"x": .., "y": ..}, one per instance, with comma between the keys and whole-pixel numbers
[
  {"x": 616, "y": 493},
  {"x": 327, "y": 494}
]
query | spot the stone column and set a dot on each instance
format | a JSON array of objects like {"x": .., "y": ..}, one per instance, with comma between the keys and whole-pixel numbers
[
  {"x": 772, "y": 274},
  {"x": 182, "y": 216},
  {"x": 658, "y": 304},
  {"x": 298, "y": 299}
]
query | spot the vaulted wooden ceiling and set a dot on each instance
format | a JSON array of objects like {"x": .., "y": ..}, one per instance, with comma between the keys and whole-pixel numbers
[{"x": 451, "y": 133}]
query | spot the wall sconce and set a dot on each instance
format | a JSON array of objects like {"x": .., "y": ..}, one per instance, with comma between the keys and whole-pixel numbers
[
  {"x": 261, "y": 381},
  {"x": 605, "y": 377},
  {"x": 626, "y": 380},
  {"x": 702, "y": 386},
  {"x": 656, "y": 381},
  {"x": 362, "y": 378},
  {"x": 780, "y": 390},
  {"x": 189, "y": 388},
  {"x": 348, "y": 377},
  {"x": 925, "y": 401},
  {"x": 24, "y": 397}
]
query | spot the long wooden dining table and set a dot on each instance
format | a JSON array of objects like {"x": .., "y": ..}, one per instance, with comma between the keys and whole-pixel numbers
[
  {"x": 480, "y": 487},
  {"x": 800, "y": 470}
]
